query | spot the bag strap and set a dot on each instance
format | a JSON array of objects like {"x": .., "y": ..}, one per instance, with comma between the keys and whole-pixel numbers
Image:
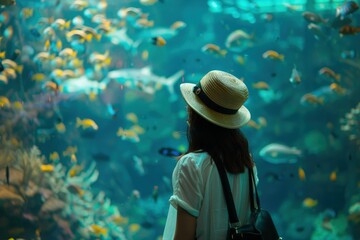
[{"x": 228, "y": 195}]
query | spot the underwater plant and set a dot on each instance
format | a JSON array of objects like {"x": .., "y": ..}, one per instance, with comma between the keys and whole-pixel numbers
[{"x": 43, "y": 201}]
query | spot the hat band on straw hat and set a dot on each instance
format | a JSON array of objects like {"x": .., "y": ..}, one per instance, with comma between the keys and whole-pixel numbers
[{"x": 211, "y": 104}]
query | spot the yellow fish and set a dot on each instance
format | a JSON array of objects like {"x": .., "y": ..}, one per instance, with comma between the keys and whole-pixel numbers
[
  {"x": 4, "y": 79},
  {"x": 76, "y": 63},
  {"x": 76, "y": 189},
  {"x": 47, "y": 45},
  {"x": 132, "y": 117},
  {"x": 4, "y": 102},
  {"x": 333, "y": 176},
  {"x": 68, "y": 53},
  {"x": 70, "y": 152},
  {"x": 145, "y": 55},
  {"x": 253, "y": 124},
  {"x": 239, "y": 59},
  {"x": 120, "y": 219},
  {"x": 79, "y": 35},
  {"x": 38, "y": 77},
  {"x": 137, "y": 129},
  {"x": 17, "y": 105},
  {"x": 54, "y": 156},
  {"x": 312, "y": 99},
  {"x": 59, "y": 45},
  {"x": 98, "y": 230},
  {"x": 134, "y": 227},
  {"x": 158, "y": 41},
  {"x": 214, "y": 49},
  {"x": 27, "y": 12},
  {"x": 273, "y": 55},
  {"x": 60, "y": 127},
  {"x": 75, "y": 170},
  {"x": 144, "y": 23},
  {"x": 178, "y": 25},
  {"x": 261, "y": 85},
  {"x": 47, "y": 168},
  {"x": 301, "y": 174},
  {"x": 128, "y": 134},
  {"x": 52, "y": 86},
  {"x": 337, "y": 88},
  {"x": 309, "y": 202},
  {"x": 329, "y": 74},
  {"x": 92, "y": 96},
  {"x": 86, "y": 123}
]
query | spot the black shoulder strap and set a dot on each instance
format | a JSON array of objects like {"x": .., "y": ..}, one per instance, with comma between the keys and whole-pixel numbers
[{"x": 228, "y": 195}]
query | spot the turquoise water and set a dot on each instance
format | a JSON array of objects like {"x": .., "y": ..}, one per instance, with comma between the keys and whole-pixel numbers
[{"x": 89, "y": 97}]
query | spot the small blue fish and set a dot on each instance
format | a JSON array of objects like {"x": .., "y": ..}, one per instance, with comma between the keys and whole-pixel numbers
[
  {"x": 169, "y": 152},
  {"x": 346, "y": 9}
]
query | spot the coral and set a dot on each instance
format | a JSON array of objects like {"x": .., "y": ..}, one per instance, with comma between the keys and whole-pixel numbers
[
  {"x": 350, "y": 125},
  {"x": 58, "y": 205},
  {"x": 331, "y": 229}
]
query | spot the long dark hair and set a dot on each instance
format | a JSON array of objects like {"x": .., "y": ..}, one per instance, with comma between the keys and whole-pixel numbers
[{"x": 230, "y": 145}]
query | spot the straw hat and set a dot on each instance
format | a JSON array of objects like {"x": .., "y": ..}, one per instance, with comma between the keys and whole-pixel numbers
[{"x": 219, "y": 98}]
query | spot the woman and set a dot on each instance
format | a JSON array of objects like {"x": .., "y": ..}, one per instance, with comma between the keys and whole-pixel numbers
[{"x": 215, "y": 114}]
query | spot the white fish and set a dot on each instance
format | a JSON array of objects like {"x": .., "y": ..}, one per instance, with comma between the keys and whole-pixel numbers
[
  {"x": 295, "y": 78},
  {"x": 82, "y": 85},
  {"x": 120, "y": 37},
  {"x": 276, "y": 153},
  {"x": 238, "y": 41},
  {"x": 135, "y": 77}
]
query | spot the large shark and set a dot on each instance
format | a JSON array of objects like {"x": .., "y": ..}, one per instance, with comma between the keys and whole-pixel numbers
[
  {"x": 144, "y": 79},
  {"x": 131, "y": 42},
  {"x": 134, "y": 78}
]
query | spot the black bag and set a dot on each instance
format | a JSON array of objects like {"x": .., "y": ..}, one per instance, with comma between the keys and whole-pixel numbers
[{"x": 261, "y": 225}]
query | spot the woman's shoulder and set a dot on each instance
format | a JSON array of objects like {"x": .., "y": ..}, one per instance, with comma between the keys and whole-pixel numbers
[{"x": 195, "y": 159}]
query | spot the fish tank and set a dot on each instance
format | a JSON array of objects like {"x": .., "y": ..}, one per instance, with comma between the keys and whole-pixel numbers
[{"x": 92, "y": 120}]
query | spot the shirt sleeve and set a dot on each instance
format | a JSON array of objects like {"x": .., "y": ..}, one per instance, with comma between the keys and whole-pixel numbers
[{"x": 187, "y": 184}]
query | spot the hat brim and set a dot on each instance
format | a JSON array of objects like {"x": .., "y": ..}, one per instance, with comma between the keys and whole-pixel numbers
[{"x": 232, "y": 121}]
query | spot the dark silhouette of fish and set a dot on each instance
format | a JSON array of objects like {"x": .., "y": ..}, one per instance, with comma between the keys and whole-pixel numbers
[{"x": 100, "y": 157}]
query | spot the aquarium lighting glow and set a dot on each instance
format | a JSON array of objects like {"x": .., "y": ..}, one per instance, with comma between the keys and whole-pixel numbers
[{"x": 235, "y": 8}]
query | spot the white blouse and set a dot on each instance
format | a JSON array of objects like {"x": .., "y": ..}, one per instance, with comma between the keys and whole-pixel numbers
[{"x": 197, "y": 189}]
